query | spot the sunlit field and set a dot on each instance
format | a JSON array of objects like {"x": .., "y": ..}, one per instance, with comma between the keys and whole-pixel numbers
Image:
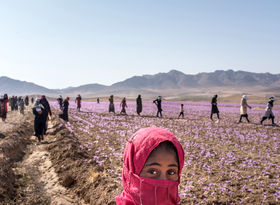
[{"x": 225, "y": 162}]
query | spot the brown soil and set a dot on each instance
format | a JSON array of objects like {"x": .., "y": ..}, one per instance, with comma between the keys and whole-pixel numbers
[
  {"x": 54, "y": 171},
  {"x": 14, "y": 139},
  {"x": 27, "y": 173}
]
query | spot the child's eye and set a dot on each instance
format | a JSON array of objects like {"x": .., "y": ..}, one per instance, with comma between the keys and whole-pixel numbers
[
  {"x": 171, "y": 172},
  {"x": 153, "y": 172}
]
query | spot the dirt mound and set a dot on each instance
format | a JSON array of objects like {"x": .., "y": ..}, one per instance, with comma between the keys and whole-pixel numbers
[
  {"x": 7, "y": 180},
  {"x": 84, "y": 177},
  {"x": 12, "y": 146}
]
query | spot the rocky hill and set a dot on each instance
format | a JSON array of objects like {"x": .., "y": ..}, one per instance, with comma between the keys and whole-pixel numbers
[{"x": 173, "y": 84}]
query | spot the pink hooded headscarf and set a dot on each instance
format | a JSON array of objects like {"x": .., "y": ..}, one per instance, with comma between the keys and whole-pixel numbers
[{"x": 141, "y": 190}]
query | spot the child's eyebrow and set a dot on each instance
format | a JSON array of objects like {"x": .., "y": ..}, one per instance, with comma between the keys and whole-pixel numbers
[
  {"x": 151, "y": 164},
  {"x": 155, "y": 163}
]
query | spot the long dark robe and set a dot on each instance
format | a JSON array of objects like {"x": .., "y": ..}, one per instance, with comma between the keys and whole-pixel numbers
[
  {"x": 39, "y": 123},
  {"x": 214, "y": 105},
  {"x": 26, "y": 100},
  {"x": 139, "y": 105},
  {"x": 64, "y": 114},
  {"x": 111, "y": 105}
]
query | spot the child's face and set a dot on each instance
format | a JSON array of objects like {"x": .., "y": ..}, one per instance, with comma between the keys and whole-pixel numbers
[{"x": 161, "y": 164}]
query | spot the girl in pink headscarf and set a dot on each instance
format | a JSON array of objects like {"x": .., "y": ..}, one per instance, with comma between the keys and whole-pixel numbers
[{"x": 152, "y": 164}]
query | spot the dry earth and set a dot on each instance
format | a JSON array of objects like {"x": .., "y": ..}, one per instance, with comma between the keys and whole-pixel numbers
[{"x": 27, "y": 173}]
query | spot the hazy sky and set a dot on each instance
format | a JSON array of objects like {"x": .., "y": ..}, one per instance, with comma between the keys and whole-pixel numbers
[{"x": 61, "y": 43}]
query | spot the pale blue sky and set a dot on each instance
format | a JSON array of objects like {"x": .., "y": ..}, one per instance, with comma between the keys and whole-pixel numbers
[{"x": 61, "y": 43}]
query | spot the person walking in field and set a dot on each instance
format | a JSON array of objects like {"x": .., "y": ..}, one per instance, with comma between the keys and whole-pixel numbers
[
  {"x": 123, "y": 105},
  {"x": 46, "y": 112},
  {"x": 214, "y": 108},
  {"x": 39, "y": 120},
  {"x": 78, "y": 101},
  {"x": 158, "y": 104},
  {"x": 3, "y": 107},
  {"x": 21, "y": 106},
  {"x": 243, "y": 109},
  {"x": 64, "y": 114},
  {"x": 111, "y": 104},
  {"x": 268, "y": 111},
  {"x": 16, "y": 103},
  {"x": 139, "y": 105},
  {"x": 60, "y": 102},
  {"x": 11, "y": 102},
  {"x": 32, "y": 100},
  {"x": 26, "y": 100},
  {"x": 98, "y": 100},
  {"x": 181, "y": 112}
]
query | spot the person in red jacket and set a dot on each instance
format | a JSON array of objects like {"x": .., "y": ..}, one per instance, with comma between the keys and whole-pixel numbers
[
  {"x": 4, "y": 107},
  {"x": 152, "y": 165}
]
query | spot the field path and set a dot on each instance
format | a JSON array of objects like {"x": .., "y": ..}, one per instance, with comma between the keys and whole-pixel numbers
[{"x": 40, "y": 181}]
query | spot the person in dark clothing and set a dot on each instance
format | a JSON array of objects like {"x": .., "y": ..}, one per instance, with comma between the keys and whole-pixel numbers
[
  {"x": 111, "y": 104},
  {"x": 26, "y": 100},
  {"x": 16, "y": 103},
  {"x": 181, "y": 111},
  {"x": 268, "y": 111},
  {"x": 139, "y": 105},
  {"x": 46, "y": 111},
  {"x": 12, "y": 103},
  {"x": 123, "y": 105},
  {"x": 214, "y": 107},
  {"x": 32, "y": 100},
  {"x": 21, "y": 106},
  {"x": 60, "y": 102},
  {"x": 78, "y": 101},
  {"x": 98, "y": 100},
  {"x": 39, "y": 120},
  {"x": 158, "y": 104},
  {"x": 3, "y": 107},
  {"x": 64, "y": 114}
]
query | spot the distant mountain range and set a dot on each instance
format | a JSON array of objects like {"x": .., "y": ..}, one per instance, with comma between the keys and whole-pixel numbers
[{"x": 171, "y": 84}]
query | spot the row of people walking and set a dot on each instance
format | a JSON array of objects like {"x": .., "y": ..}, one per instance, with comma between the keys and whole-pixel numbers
[
  {"x": 214, "y": 109},
  {"x": 15, "y": 102},
  {"x": 42, "y": 110},
  {"x": 243, "y": 109},
  {"x": 139, "y": 106}
]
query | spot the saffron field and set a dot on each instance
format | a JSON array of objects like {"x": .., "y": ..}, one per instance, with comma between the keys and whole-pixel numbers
[{"x": 225, "y": 162}]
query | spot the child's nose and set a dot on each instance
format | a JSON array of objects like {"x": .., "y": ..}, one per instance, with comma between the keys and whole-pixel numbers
[{"x": 163, "y": 176}]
